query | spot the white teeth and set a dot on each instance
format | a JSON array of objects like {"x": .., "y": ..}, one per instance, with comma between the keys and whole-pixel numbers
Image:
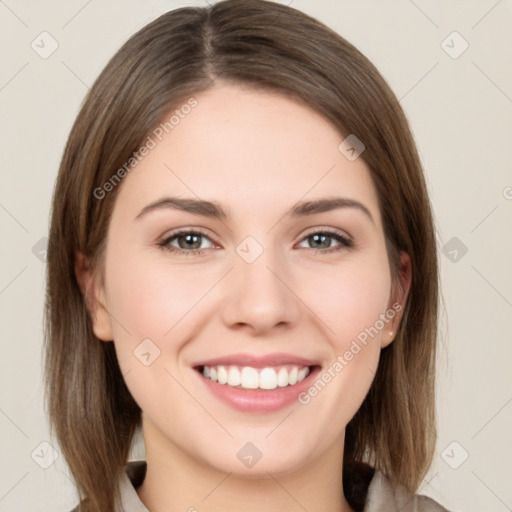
[
  {"x": 282, "y": 378},
  {"x": 249, "y": 378},
  {"x": 268, "y": 378},
  {"x": 254, "y": 378},
  {"x": 302, "y": 374},
  {"x": 292, "y": 376},
  {"x": 222, "y": 375},
  {"x": 234, "y": 377}
]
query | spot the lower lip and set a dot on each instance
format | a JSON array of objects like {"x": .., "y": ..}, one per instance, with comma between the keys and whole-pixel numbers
[{"x": 259, "y": 400}]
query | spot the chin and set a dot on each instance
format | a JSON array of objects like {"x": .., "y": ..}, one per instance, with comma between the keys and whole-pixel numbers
[{"x": 255, "y": 460}]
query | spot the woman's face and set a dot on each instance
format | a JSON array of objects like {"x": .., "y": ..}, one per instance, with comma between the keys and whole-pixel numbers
[{"x": 285, "y": 287}]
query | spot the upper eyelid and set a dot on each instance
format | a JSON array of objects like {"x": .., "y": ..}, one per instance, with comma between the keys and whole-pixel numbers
[
  {"x": 186, "y": 231},
  {"x": 328, "y": 229}
]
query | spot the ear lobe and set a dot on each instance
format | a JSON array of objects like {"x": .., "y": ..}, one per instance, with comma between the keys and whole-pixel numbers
[
  {"x": 94, "y": 297},
  {"x": 398, "y": 298}
]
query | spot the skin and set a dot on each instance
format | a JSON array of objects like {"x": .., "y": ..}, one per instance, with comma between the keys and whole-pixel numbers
[{"x": 256, "y": 154}]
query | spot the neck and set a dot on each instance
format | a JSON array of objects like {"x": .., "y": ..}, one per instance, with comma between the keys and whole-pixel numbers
[{"x": 176, "y": 481}]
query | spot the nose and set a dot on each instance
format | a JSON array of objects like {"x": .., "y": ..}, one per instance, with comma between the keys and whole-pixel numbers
[{"x": 259, "y": 296}]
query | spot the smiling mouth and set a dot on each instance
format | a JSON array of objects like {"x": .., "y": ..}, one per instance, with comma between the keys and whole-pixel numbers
[{"x": 249, "y": 378}]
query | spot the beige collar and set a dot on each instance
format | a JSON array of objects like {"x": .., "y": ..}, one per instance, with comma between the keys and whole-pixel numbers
[{"x": 381, "y": 497}]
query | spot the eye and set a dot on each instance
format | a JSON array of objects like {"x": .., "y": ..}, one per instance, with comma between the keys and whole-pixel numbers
[
  {"x": 188, "y": 242},
  {"x": 322, "y": 240}
]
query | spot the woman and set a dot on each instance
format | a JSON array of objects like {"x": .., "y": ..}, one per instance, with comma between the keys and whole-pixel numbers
[{"x": 242, "y": 263}]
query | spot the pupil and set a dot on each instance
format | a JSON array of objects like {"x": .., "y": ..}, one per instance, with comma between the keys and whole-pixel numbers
[
  {"x": 320, "y": 237},
  {"x": 190, "y": 238}
]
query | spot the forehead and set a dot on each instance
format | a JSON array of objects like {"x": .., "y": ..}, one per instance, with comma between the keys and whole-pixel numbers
[{"x": 239, "y": 146}]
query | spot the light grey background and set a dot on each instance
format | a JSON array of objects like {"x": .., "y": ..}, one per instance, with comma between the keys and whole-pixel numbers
[{"x": 460, "y": 110}]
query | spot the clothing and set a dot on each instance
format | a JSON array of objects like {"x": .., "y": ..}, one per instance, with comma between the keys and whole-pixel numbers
[{"x": 380, "y": 495}]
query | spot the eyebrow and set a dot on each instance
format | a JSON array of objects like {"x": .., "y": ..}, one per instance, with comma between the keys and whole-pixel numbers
[{"x": 214, "y": 210}]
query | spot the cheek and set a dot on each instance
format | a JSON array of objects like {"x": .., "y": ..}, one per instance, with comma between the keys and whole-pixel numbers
[
  {"x": 150, "y": 299},
  {"x": 158, "y": 302},
  {"x": 349, "y": 298}
]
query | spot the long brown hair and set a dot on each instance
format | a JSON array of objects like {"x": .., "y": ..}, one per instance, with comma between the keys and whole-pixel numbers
[{"x": 271, "y": 47}]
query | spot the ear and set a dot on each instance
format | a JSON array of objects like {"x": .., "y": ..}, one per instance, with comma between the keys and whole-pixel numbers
[
  {"x": 94, "y": 295},
  {"x": 398, "y": 299}
]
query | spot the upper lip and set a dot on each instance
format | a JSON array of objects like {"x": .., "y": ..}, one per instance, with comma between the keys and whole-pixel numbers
[{"x": 255, "y": 361}]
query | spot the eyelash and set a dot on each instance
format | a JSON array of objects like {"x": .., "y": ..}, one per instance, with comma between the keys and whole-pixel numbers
[{"x": 345, "y": 242}]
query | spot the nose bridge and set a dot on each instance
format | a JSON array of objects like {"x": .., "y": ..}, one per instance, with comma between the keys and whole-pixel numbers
[{"x": 257, "y": 294}]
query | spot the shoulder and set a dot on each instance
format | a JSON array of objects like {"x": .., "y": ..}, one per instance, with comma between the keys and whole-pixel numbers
[{"x": 383, "y": 496}]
